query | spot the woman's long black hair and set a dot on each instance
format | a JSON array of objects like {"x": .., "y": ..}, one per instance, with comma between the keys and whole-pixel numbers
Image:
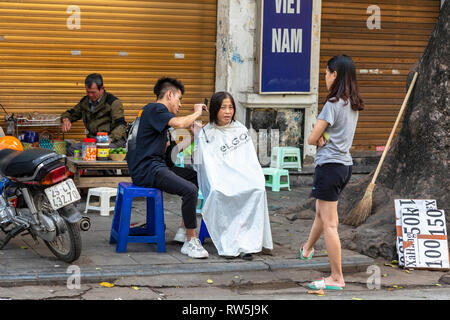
[
  {"x": 216, "y": 103},
  {"x": 344, "y": 86}
]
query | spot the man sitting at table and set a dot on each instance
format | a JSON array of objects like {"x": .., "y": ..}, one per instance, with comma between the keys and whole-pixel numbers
[{"x": 101, "y": 112}]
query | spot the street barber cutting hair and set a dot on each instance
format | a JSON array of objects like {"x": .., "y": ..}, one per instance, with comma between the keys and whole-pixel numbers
[{"x": 147, "y": 161}]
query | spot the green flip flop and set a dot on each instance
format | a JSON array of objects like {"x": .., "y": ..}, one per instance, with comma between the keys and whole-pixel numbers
[
  {"x": 320, "y": 284},
  {"x": 308, "y": 257}
]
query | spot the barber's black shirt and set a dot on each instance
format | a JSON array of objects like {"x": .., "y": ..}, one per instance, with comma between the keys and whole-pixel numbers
[{"x": 148, "y": 157}]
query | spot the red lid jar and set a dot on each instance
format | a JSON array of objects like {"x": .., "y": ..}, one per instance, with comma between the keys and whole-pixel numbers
[{"x": 89, "y": 149}]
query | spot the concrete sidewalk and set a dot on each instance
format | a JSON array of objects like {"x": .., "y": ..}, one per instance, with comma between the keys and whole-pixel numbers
[{"x": 23, "y": 261}]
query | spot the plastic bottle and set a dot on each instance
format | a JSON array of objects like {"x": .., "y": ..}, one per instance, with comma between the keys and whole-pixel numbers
[
  {"x": 89, "y": 149},
  {"x": 102, "y": 151},
  {"x": 76, "y": 154},
  {"x": 102, "y": 146},
  {"x": 102, "y": 137}
]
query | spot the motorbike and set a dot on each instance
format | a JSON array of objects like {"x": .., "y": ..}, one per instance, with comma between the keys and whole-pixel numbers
[{"x": 37, "y": 197}]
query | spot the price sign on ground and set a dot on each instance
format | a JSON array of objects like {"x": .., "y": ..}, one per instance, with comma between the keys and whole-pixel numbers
[{"x": 421, "y": 234}]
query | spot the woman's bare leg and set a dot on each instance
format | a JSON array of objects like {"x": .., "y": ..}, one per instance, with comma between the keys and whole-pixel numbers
[
  {"x": 330, "y": 219},
  {"x": 315, "y": 233}
]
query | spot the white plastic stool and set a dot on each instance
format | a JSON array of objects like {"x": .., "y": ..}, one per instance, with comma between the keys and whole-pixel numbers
[{"x": 105, "y": 194}]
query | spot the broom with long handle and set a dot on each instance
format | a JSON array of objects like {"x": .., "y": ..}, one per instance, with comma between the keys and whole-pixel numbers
[{"x": 361, "y": 212}]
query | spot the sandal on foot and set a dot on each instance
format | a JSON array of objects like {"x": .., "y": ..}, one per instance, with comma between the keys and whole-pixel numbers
[
  {"x": 308, "y": 257},
  {"x": 320, "y": 284}
]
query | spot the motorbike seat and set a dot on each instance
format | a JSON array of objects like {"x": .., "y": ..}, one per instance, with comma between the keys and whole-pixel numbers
[
  {"x": 23, "y": 164},
  {"x": 5, "y": 156}
]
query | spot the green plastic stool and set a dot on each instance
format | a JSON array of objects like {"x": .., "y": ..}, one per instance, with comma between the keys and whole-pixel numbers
[
  {"x": 286, "y": 158},
  {"x": 273, "y": 178},
  {"x": 180, "y": 160},
  {"x": 200, "y": 202}
]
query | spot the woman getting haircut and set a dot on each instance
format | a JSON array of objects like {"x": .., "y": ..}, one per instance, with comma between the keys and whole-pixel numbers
[{"x": 232, "y": 183}]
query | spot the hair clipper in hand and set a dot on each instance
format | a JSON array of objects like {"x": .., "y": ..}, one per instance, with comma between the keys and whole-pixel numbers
[{"x": 205, "y": 102}]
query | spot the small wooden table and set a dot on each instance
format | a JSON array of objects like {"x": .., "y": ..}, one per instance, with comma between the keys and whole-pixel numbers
[{"x": 92, "y": 181}]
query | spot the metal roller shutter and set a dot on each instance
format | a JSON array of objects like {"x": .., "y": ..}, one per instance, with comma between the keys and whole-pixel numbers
[
  {"x": 44, "y": 60},
  {"x": 383, "y": 57}
]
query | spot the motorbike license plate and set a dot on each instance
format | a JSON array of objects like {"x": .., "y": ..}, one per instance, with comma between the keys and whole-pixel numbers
[{"x": 62, "y": 194}]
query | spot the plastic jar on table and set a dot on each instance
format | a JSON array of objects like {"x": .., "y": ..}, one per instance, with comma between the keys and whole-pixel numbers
[
  {"x": 102, "y": 137},
  {"x": 102, "y": 151},
  {"x": 89, "y": 149}
]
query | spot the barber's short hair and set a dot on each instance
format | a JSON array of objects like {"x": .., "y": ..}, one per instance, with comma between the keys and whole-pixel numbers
[
  {"x": 165, "y": 84},
  {"x": 216, "y": 102},
  {"x": 94, "y": 78}
]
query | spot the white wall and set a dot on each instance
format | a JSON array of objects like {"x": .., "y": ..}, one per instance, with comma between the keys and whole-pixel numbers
[
  {"x": 236, "y": 63},
  {"x": 236, "y": 22}
]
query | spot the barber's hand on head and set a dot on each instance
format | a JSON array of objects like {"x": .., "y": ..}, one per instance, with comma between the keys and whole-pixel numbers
[{"x": 66, "y": 125}]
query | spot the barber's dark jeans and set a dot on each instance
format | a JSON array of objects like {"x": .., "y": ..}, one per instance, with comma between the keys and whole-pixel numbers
[{"x": 182, "y": 182}]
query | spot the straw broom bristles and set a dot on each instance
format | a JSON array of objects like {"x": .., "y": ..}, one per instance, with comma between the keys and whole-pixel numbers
[{"x": 362, "y": 211}]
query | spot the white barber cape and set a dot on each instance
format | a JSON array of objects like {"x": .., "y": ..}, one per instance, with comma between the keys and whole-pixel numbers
[{"x": 232, "y": 183}]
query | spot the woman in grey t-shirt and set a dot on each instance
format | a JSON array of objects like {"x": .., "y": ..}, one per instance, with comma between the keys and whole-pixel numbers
[{"x": 333, "y": 134}]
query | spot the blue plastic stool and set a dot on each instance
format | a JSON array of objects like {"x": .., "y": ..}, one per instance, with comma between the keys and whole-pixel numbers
[
  {"x": 154, "y": 232},
  {"x": 203, "y": 232}
]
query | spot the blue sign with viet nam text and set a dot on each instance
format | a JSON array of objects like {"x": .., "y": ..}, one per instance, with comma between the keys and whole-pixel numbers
[{"x": 285, "y": 57}]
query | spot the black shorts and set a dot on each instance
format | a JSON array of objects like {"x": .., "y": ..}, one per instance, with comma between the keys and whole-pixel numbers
[{"x": 329, "y": 181}]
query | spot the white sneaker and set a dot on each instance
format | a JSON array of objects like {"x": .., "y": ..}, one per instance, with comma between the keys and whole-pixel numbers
[
  {"x": 194, "y": 249},
  {"x": 180, "y": 236}
]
